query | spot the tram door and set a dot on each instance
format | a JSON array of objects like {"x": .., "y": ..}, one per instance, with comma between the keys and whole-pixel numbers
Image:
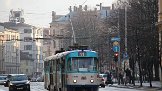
[
  {"x": 63, "y": 74},
  {"x": 51, "y": 86}
]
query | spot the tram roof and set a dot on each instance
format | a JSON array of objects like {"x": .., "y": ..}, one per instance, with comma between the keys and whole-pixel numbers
[{"x": 58, "y": 55}]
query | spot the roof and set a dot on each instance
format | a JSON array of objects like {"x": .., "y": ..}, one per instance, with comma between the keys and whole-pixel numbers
[
  {"x": 16, "y": 74},
  {"x": 65, "y": 18},
  {"x": 12, "y": 24}
]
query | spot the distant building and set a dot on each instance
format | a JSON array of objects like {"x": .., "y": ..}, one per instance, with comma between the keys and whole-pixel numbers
[
  {"x": 47, "y": 43},
  {"x": 57, "y": 30},
  {"x": 26, "y": 64},
  {"x": 16, "y": 16},
  {"x": 10, "y": 51},
  {"x": 2, "y": 61},
  {"x": 29, "y": 38},
  {"x": 38, "y": 39},
  {"x": 61, "y": 27}
]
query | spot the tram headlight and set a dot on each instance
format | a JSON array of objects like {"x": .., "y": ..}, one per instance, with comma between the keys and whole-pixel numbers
[
  {"x": 74, "y": 81},
  {"x": 91, "y": 80}
]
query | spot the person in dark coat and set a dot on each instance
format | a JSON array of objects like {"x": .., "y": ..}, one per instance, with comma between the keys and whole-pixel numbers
[
  {"x": 128, "y": 74},
  {"x": 109, "y": 78},
  {"x": 121, "y": 74}
]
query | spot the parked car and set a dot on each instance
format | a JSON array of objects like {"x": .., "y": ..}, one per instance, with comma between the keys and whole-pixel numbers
[
  {"x": 3, "y": 79},
  {"x": 39, "y": 79},
  {"x": 33, "y": 79},
  {"x": 18, "y": 82},
  {"x": 103, "y": 80}
]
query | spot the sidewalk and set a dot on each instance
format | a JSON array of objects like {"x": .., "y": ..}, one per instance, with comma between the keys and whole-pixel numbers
[{"x": 146, "y": 86}]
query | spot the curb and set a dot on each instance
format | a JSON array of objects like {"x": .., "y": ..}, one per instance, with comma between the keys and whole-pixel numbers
[{"x": 137, "y": 87}]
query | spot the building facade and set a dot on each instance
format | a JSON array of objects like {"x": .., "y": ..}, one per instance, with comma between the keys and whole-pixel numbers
[
  {"x": 58, "y": 26},
  {"x": 10, "y": 51},
  {"x": 28, "y": 37},
  {"x": 38, "y": 38},
  {"x": 2, "y": 61},
  {"x": 26, "y": 64}
]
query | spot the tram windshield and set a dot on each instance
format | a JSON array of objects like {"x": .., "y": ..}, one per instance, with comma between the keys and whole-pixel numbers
[{"x": 83, "y": 64}]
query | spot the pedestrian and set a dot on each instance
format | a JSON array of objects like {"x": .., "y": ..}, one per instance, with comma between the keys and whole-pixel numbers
[
  {"x": 128, "y": 76},
  {"x": 121, "y": 74},
  {"x": 109, "y": 78}
]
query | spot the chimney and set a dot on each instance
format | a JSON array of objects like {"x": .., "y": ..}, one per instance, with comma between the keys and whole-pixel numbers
[
  {"x": 100, "y": 6},
  {"x": 85, "y": 7},
  {"x": 80, "y": 7},
  {"x": 74, "y": 8},
  {"x": 53, "y": 16},
  {"x": 113, "y": 7},
  {"x": 95, "y": 9},
  {"x": 70, "y": 9}
]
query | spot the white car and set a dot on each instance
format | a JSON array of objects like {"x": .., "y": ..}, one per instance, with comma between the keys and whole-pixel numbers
[
  {"x": 39, "y": 79},
  {"x": 103, "y": 80},
  {"x": 3, "y": 79}
]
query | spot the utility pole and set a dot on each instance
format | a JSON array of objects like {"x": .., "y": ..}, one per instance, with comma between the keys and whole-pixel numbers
[
  {"x": 125, "y": 29},
  {"x": 73, "y": 35},
  {"x": 119, "y": 44}
]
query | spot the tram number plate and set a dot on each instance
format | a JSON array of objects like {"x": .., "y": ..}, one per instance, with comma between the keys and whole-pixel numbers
[{"x": 83, "y": 78}]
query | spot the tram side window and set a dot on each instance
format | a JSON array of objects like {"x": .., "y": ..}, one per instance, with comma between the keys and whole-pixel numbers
[
  {"x": 58, "y": 66},
  {"x": 69, "y": 65},
  {"x": 45, "y": 66}
]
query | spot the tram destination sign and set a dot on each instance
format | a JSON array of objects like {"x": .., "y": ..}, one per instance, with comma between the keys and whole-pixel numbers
[{"x": 82, "y": 53}]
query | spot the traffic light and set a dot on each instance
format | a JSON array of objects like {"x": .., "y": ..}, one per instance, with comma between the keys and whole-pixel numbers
[{"x": 116, "y": 57}]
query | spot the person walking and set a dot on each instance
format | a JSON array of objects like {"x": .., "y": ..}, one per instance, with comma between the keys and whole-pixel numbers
[
  {"x": 121, "y": 74},
  {"x": 128, "y": 76}
]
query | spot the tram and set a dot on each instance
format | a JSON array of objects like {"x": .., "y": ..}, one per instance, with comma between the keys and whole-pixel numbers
[{"x": 75, "y": 70}]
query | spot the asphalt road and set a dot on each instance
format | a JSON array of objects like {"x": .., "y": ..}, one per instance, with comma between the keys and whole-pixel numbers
[{"x": 39, "y": 86}]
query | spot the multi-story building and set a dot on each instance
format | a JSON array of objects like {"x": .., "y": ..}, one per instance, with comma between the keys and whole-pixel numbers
[
  {"x": 28, "y": 37},
  {"x": 2, "y": 63},
  {"x": 57, "y": 26},
  {"x": 46, "y": 43},
  {"x": 10, "y": 51},
  {"x": 26, "y": 64},
  {"x": 38, "y": 37}
]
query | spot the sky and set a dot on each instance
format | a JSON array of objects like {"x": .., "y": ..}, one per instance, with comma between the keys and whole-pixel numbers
[{"x": 39, "y": 12}]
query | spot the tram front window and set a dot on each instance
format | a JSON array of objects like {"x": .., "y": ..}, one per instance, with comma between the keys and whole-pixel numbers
[{"x": 83, "y": 64}]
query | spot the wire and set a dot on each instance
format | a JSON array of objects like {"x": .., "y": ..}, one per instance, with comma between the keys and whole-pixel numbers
[{"x": 84, "y": 2}]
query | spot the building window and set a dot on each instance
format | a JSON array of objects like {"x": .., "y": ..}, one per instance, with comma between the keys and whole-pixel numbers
[
  {"x": 37, "y": 56},
  {"x": 54, "y": 44},
  {"x": 26, "y": 70},
  {"x": 27, "y": 30},
  {"x": 26, "y": 63},
  {"x": 27, "y": 47},
  {"x": 27, "y": 39}
]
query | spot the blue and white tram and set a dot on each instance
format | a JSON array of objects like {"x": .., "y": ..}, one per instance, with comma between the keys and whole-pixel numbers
[{"x": 76, "y": 70}]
